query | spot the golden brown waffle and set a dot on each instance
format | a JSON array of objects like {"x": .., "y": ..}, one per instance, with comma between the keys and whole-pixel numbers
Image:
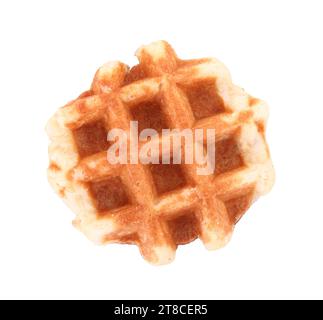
[{"x": 159, "y": 207}]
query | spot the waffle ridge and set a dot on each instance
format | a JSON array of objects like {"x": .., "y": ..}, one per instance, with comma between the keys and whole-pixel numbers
[{"x": 159, "y": 207}]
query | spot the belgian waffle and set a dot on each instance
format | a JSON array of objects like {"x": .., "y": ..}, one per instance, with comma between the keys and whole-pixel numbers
[{"x": 160, "y": 206}]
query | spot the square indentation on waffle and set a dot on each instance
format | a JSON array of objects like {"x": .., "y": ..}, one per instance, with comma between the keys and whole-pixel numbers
[
  {"x": 203, "y": 98},
  {"x": 184, "y": 228},
  {"x": 109, "y": 194},
  {"x": 149, "y": 115},
  {"x": 227, "y": 156},
  {"x": 240, "y": 204},
  {"x": 167, "y": 177},
  {"x": 91, "y": 138}
]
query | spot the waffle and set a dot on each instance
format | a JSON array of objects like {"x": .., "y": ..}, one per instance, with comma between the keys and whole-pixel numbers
[{"x": 160, "y": 206}]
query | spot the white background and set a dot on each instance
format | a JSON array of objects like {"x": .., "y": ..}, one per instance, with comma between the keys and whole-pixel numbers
[{"x": 49, "y": 53}]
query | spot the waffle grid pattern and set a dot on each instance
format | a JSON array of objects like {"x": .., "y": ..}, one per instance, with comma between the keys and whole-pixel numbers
[{"x": 159, "y": 207}]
